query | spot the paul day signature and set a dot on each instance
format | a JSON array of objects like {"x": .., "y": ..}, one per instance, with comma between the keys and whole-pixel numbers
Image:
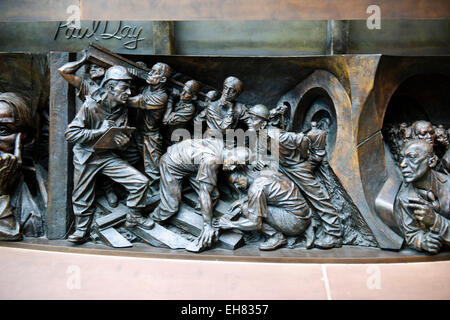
[{"x": 103, "y": 30}]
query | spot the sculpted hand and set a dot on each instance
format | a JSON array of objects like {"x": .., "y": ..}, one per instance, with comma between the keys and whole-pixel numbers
[
  {"x": 175, "y": 93},
  {"x": 236, "y": 205},
  {"x": 207, "y": 236},
  {"x": 281, "y": 109},
  {"x": 423, "y": 211},
  {"x": 121, "y": 139},
  {"x": 133, "y": 71},
  {"x": 260, "y": 165},
  {"x": 225, "y": 223},
  {"x": 106, "y": 124},
  {"x": 83, "y": 56},
  {"x": 432, "y": 243}
]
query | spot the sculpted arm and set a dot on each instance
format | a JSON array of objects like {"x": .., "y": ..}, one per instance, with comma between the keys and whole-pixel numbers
[
  {"x": 442, "y": 228},
  {"x": 79, "y": 132},
  {"x": 251, "y": 223},
  {"x": 68, "y": 70},
  {"x": 208, "y": 234},
  {"x": 135, "y": 102},
  {"x": 206, "y": 202}
]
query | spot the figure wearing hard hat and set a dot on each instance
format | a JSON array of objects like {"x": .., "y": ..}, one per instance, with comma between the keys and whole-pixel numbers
[
  {"x": 105, "y": 109},
  {"x": 299, "y": 155}
]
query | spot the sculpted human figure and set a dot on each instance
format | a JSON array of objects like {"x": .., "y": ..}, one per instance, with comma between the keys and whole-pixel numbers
[
  {"x": 275, "y": 207},
  {"x": 299, "y": 157},
  {"x": 277, "y": 116},
  {"x": 153, "y": 100},
  {"x": 446, "y": 158},
  {"x": 16, "y": 127},
  {"x": 424, "y": 130},
  {"x": 441, "y": 136},
  {"x": 226, "y": 112},
  {"x": 437, "y": 137},
  {"x": 423, "y": 202},
  {"x": 179, "y": 115},
  {"x": 258, "y": 125},
  {"x": 85, "y": 86},
  {"x": 210, "y": 96},
  {"x": 104, "y": 110},
  {"x": 405, "y": 132},
  {"x": 199, "y": 160}
]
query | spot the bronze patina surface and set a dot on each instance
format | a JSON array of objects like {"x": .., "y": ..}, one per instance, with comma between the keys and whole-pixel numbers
[{"x": 314, "y": 167}]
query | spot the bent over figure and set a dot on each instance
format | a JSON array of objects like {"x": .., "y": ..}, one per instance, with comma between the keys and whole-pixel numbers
[{"x": 199, "y": 160}]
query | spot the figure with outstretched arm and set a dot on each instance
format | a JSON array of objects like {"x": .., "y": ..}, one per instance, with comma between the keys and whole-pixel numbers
[
  {"x": 275, "y": 207},
  {"x": 153, "y": 101},
  {"x": 85, "y": 86},
  {"x": 198, "y": 160}
]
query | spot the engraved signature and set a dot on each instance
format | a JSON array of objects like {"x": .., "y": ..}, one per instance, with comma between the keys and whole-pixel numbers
[{"x": 103, "y": 30}]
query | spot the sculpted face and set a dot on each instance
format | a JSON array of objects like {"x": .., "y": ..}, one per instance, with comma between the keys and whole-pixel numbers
[
  {"x": 441, "y": 135},
  {"x": 120, "y": 92},
  {"x": 415, "y": 161},
  {"x": 425, "y": 131},
  {"x": 239, "y": 181},
  {"x": 186, "y": 94},
  {"x": 257, "y": 122},
  {"x": 8, "y": 129},
  {"x": 232, "y": 88},
  {"x": 96, "y": 71},
  {"x": 156, "y": 75}
]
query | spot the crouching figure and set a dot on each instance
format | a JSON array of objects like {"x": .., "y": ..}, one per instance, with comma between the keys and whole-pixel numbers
[{"x": 275, "y": 207}]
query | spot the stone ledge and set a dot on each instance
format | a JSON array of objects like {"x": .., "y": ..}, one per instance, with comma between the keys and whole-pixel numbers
[{"x": 344, "y": 255}]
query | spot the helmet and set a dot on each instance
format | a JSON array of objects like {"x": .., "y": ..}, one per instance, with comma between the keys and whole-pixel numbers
[
  {"x": 260, "y": 110},
  {"x": 212, "y": 95},
  {"x": 116, "y": 73}
]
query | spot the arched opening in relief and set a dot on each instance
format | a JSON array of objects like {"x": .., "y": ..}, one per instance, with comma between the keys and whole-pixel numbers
[
  {"x": 419, "y": 97},
  {"x": 316, "y": 105}
]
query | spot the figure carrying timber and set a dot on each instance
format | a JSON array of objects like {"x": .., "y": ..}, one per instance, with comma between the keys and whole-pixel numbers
[{"x": 153, "y": 100}]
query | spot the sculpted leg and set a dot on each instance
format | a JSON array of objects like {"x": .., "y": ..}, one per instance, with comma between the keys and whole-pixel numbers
[
  {"x": 83, "y": 199},
  {"x": 152, "y": 155},
  {"x": 303, "y": 176},
  {"x": 136, "y": 184},
  {"x": 170, "y": 190}
]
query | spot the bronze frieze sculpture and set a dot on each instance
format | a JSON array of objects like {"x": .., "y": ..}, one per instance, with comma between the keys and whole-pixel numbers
[{"x": 165, "y": 159}]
